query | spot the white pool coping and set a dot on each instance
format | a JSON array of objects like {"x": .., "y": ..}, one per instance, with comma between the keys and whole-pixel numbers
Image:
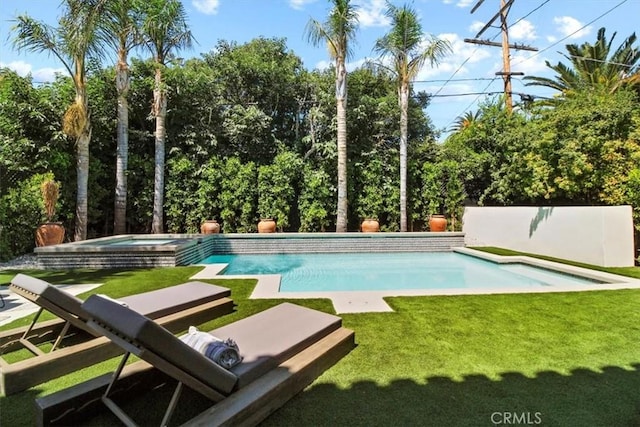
[{"x": 268, "y": 286}]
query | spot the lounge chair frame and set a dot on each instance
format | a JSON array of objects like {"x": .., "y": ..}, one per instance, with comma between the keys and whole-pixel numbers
[
  {"x": 18, "y": 376},
  {"x": 247, "y": 406}
]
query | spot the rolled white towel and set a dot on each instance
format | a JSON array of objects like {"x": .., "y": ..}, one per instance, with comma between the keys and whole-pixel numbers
[{"x": 223, "y": 352}]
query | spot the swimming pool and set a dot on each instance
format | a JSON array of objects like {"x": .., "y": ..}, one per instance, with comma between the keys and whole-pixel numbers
[{"x": 391, "y": 271}]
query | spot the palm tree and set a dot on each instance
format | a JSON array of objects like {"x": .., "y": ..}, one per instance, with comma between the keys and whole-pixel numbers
[
  {"x": 595, "y": 67},
  {"x": 466, "y": 120},
  {"x": 73, "y": 41},
  {"x": 165, "y": 30},
  {"x": 120, "y": 23},
  {"x": 408, "y": 50},
  {"x": 337, "y": 32}
]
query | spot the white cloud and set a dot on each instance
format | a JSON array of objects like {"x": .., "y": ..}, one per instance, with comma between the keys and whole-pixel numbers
[
  {"x": 552, "y": 39},
  {"x": 40, "y": 75},
  {"x": 523, "y": 30},
  {"x": 323, "y": 65},
  {"x": 459, "y": 3},
  {"x": 300, "y": 4},
  {"x": 461, "y": 52},
  {"x": 371, "y": 13},
  {"x": 47, "y": 74},
  {"x": 571, "y": 27},
  {"x": 529, "y": 63},
  {"x": 20, "y": 67},
  {"x": 464, "y": 3},
  {"x": 476, "y": 26},
  {"x": 208, "y": 7}
]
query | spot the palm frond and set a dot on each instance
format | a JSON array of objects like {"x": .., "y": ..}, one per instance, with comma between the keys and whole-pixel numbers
[
  {"x": 406, "y": 46},
  {"x": 338, "y": 31}
]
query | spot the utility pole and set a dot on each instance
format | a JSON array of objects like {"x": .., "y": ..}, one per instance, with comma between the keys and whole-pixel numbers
[
  {"x": 506, "y": 56},
  {"x": 505, "y": 6}
]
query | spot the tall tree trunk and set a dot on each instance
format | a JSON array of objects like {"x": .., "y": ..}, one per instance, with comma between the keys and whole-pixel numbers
[
  {"x": 341, "y": 114},
  {"x": 404, "y": 108},
  {"x": 82, "y": 165},
  {"x": 122, "y": 86},
  {"x": 160, "y": 112}
]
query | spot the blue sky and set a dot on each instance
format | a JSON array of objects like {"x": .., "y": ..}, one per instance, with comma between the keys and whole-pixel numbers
[{"x": 546, "y": 24}]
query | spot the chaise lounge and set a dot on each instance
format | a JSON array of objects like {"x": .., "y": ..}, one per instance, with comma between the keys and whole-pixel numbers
[
  {"x": 75, "y": 345},
  {"x": 284, "y": 349}
]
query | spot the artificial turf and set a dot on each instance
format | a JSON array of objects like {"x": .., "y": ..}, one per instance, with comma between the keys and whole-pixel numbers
[{"x": 567, "y": 359}]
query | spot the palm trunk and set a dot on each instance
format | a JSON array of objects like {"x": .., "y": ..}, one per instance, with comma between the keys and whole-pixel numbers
[
  {"x": 82, "y": 170},
  {"x": 404, "y": 108},
  {"x": 122, "y": 85},
  {"x": 341, "y": 114},
  {"x": 82, "y": 166},
  {"x": 160, "y": 112}
]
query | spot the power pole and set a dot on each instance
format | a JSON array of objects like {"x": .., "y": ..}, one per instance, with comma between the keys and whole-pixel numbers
[
  {"x": 506, "y": 55},
  {"x": 505, "y": 6}
]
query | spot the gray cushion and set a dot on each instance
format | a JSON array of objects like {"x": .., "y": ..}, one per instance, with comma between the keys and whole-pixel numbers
[
  {"x": 138, "y": 328},
  {"x": 268, "y": 338},
  {"x": 153, "y": 304},
  {"x": 162, "y": 302},
  {"x": 43, "y": 289}
]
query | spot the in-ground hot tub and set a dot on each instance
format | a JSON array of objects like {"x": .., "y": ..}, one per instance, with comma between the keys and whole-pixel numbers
[{"x": 127, "y": 251}]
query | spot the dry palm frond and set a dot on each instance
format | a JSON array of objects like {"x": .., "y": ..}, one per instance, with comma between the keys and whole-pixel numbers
[
  {"x": 74, "y": 121},
  {"x": 50, "y": 191}
]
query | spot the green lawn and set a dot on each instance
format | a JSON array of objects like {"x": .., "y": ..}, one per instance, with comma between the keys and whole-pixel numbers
[{"x": 570, "y": 359}]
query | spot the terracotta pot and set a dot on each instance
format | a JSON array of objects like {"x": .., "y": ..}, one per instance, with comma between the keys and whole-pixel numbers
[
  {"x": 50, "y": 233},
  {"x": 370, "y": 225},
  {"x": 267, "y": 225},
  {"x": 210, "y": 226},
  {"x": 437, "y": 223}
]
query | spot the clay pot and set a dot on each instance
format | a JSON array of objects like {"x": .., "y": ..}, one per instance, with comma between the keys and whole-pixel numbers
[
  {"x": 437, "y": 223},
  {"x": 210, "y": 226},
  {"x": 267, "y": 225},
  {"x": 370, "y": 225},
  {"x": 50, "y": 233}
]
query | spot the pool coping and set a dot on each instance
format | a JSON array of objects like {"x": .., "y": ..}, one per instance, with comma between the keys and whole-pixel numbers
[{"x": 268, "y": 286}]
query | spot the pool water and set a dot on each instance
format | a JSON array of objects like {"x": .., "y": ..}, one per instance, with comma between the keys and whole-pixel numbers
[
  {"x": 390, "y": 271},
  {"x": 141, "y": 242}
]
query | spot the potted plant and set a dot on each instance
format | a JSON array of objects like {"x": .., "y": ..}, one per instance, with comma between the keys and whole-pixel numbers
[
  {"x": 371, "y": 198},
  {"x": 267, "y": 225},
  {"x": 370, "y": 225},
  {"x": 210, "y": 226},
  {"x": 444, "y": 193},
  {"x": 434, "y": 193},
  {"x": 50, "y": 233}
]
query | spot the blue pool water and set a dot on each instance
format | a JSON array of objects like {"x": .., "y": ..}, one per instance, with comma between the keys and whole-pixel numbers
[{"x": 388, "y": 271}]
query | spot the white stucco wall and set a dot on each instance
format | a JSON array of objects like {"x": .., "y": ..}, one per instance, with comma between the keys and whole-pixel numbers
[{"x": 599, "y": 235}]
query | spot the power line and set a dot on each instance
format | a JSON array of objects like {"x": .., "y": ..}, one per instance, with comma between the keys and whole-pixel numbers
[
  {"x": 542, "y": 50},
  {"x": 469, "y": 106},
  {"x": 451, "y": 95},
  {"x": 575, "y": 32},
  {"x": 476, "y": 49},
  {"x": 455, "y": 80},
  {"x": 597, "y": 60},
  {"x": 527, "y": 15}
]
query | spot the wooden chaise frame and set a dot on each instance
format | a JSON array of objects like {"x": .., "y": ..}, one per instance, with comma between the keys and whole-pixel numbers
[
  {"x": 243, "y": 404},
  {"x": 87, "y": 346}
]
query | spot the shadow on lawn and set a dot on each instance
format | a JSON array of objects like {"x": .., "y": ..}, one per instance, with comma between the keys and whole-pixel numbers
[{"x": 582, "y": 398}]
